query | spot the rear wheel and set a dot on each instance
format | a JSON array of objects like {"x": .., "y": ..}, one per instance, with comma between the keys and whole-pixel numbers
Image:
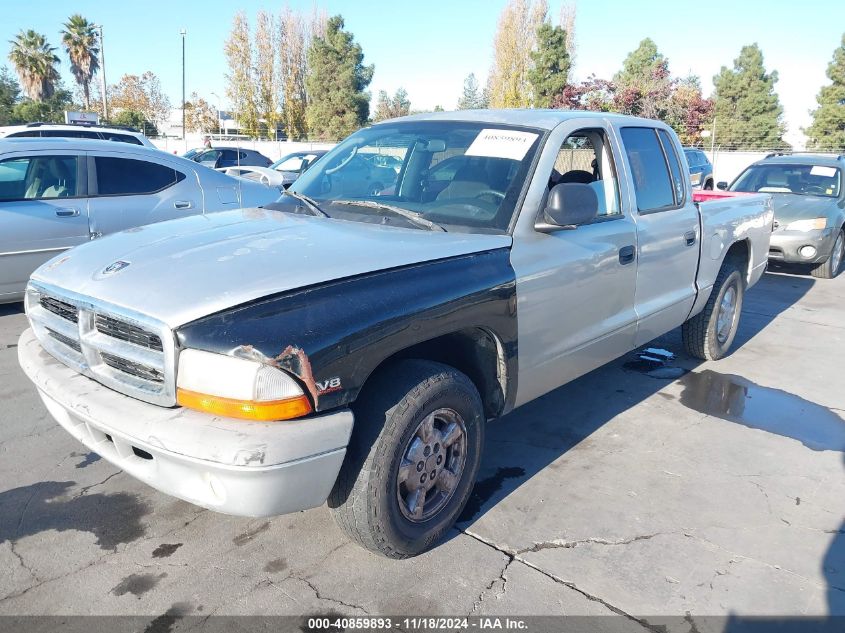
[
  {"x": 709, "y": 334},
  {"x": 832, "y": 267},
  {"x": 708, "y": 185},
  {"x": 412, "y": 460}
]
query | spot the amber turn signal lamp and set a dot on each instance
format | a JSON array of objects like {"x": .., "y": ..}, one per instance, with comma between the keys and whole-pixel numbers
[{"x": 269, "y": 411}]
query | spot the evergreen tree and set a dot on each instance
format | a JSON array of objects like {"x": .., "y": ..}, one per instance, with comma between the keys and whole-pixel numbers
[
  {"x": 9, "y": 92},
  {"x": 551, "y": 65},
  {"x": 471, "y": 98},
  {"x": 640, "y": 65},
  {"x": 747, "y": 109},
  {"x": 337, "y": 101},
  {"x": 828, "y": 129}
]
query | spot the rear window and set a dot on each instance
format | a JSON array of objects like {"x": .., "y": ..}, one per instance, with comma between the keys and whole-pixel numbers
[
  {"x": 126, "y": 176},
  {"x": 652, "y": 184},
  {"x": 27, "y": 134},
  {"x": 69, "y": 134},
  {"x": 121, "y": 138}
]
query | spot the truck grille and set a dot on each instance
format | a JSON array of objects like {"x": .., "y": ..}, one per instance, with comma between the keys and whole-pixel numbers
[{"x": 127, "y": 352}]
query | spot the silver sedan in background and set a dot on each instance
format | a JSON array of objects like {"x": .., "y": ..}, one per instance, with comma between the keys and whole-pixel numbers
[{"x": 57, "y": 193}]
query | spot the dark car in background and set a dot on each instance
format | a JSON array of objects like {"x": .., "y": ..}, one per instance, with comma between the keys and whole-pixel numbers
[
  {"x": 217, "y": 157},
  {"x": 294, "y": 165},
  {"x": 809, "y": 202},
  {"x": 700, "y": 168}
]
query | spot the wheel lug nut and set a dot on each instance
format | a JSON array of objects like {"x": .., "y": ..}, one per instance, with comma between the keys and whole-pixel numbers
[
  {"x": 427, "y": 451},
  {"x": 423, "y": 478},
  {"x": 420, "y": 466},
  {"x": 439, "y": 459},
  {"x": 437, "y": 448},
  {"x": 433, "y": 474}
]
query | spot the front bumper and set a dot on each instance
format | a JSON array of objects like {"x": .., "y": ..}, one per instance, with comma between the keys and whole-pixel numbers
[
  {"x": 230, "y": 466},
  {"x": 784, "y": 245}
]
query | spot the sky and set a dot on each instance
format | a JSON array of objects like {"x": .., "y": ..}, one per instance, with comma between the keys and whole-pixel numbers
[{"x": 429, "y": 47}]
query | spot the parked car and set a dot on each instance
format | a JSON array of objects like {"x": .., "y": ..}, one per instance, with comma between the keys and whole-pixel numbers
[
  {"x": 700, "y": 169},
  {"x": 809, "y": 201},
  {"x": 217, "y": 157},
  {"x": 77, "y": 130},
  {"x": 57, "y": 193},
  {"x": 193, "y": 152},
  {"x": 294, "y": 165},
  {"x": 386, "y": 329}
]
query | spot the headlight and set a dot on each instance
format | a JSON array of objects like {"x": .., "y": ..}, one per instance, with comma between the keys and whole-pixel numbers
[
  {"x": 807, "y": 225},
  {"x": 238, "y": 388}
]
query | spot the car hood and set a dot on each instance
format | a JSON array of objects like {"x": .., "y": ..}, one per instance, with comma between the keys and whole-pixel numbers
[
  {"x": 790, "y": 207},
  {"x": 181, "y": 270}
]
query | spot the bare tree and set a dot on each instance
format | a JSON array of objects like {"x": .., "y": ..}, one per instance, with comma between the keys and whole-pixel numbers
[
  {"x": 141, "y": 94},
  {"x": 567, "y": 17},
  {"x": 200, "y": 116},
  {"x": 292, "y": 48},
  {"x": 240, "y": 80},
  {"x": 515, "y": 38}
]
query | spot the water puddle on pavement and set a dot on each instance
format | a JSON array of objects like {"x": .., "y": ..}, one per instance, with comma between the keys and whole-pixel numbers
[{"x": 739, "y": 400}]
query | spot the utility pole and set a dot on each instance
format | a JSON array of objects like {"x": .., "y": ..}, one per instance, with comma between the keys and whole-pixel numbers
[
  {"x": 103, "y": 73},
  {"x": 183, "y": 32}
]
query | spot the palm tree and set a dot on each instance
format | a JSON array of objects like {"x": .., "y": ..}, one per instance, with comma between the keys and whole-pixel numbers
[
  {"x": 79, "y": 39},
  {"x": 35, "y": 63}
]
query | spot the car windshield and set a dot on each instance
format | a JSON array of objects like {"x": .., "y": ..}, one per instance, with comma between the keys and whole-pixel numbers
[
  {"x": 808, "y": 180},
  {"x": 463, "y": 176},
  {"x": 293, "y": 162}
]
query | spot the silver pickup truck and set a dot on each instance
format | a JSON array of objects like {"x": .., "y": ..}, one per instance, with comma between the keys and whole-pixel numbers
[{"x": 350, "y": 343}]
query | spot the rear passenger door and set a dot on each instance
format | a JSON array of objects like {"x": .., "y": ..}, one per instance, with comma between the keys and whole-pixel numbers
[
  {"x": 43, "y": 211},
  {"x": 128, "y": 190},
  {"x": 668, "y": 231}
]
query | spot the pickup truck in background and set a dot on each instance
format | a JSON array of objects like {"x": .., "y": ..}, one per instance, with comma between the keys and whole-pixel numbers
[{"x": 350, "y": 345}]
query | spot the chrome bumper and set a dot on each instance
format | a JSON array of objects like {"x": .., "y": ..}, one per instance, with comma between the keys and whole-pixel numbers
[
  {"x": 230, "y": 466},
  {"x": 784, "y": 245}
]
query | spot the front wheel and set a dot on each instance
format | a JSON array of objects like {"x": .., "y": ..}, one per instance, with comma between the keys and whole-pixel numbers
[
  {"x": 412, "y": 460},
  {"x": 833, "y": 265},
  {"x": 709, "y": 334}
]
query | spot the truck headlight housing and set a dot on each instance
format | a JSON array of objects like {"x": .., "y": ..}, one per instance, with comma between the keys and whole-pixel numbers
[
  {"x": 238, "y": 388},
  {"x": 807, "y": 225}
]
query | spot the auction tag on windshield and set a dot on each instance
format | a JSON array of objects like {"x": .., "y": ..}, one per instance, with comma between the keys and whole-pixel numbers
[
  {"x": 501, "y": 144},
  {"x": 819, "y": 170}
]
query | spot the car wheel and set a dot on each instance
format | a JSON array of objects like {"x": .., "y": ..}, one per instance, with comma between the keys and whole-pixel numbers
[
  {"x": 375, "y": 189},
  {"x": 412, "y": 460},
  {"x": 832, "y": 267},
  {"x": 708, "y": 185},
  {"x": 709, "y": 334}
]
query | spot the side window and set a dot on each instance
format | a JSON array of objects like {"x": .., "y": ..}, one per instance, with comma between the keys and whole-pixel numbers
[
  {"x": 38, "y": 178},
  {"x": 652, "y": 184},
  {"x": 678, "y": 178},
  {"x": 70, "y": 134},
  {"x": 27, "y": 134},
  {"x": 121, "y": 138},
  {"x": 127, "y": 177},
  {"x": 585, "y": 157}
]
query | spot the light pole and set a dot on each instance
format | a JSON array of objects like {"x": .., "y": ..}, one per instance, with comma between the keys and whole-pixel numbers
[
  {"x": 183, "y": 32},
  {"x": 103, "y": 72}
]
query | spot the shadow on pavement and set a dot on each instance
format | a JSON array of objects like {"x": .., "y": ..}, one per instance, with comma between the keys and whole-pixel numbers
[{"x": 11, "y": 308}]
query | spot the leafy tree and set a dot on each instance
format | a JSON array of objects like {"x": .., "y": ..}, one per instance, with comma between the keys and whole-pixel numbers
[
  {"x": 49, "y": 110},
  {"x": 293, "y": 46},
  {"x": 200, "y": 116},
  {"x": 512, "y": 45},
  {"x": 551, "y": 65},
  {"x": 471, "y": 99},
  {"x": 137, "y": 120},
  {"x": 35, "y": 62},
  {"x": 140, "y": 94},
  {"x": 267, "y": 87},
  {"x": 747, "y": 109},
  {"x": 390, "y": 108},
  {"x": 439, "y": 108},
  {"x": 240, "y": 80},
  {"x": 79, "y": 39},
  {"x": 827, "y": 131},
  {"x": 688, "y": 111},
  {"x": 9, "y": 92},
  {"x": 337, "y": 101}
]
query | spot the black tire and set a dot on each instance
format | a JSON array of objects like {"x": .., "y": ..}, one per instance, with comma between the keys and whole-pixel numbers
[
  {"x": 701, "y": 339},
  {"x": 708, "y": 185},
  {"x": 365, "y": 500},
  {"x": 833, "y": 265}
]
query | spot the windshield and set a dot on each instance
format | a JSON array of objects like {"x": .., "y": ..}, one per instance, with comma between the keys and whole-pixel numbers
[
  {"x": 459, "y": 175},
  {"x": 808, "y": 180}
]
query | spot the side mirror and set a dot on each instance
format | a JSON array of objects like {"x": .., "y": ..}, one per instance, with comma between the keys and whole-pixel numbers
[
  {"x": 722, "y": 185},
  {"x": 570, "y": 204}
]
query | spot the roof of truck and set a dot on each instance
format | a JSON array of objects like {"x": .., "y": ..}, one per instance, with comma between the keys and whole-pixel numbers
[{"x": 544, "y": 119}]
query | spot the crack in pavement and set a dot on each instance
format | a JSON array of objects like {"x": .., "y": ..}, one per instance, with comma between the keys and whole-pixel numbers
[
  {"x": 500, "y": 577},
  {"x": 558, "y": 543},
  {"x": 516, "y": 556},
  {"x": 99, "y": 483},
  {"x": 324, "y": 598}
]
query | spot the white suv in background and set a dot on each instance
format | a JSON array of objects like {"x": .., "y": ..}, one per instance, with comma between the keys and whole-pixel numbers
[{"x": 96, "y": 132}]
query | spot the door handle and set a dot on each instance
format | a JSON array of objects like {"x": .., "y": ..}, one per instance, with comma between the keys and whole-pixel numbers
[
  {"x": 626, "y": 254},
  {"x": 690, "y": 237},
  {"x": 182, "y": 204},
  {"x": 67, "y": 212}
]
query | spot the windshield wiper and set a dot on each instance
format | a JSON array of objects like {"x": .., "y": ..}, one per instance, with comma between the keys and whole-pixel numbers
[
  {"x": 309, "y": 202},
  {"x": 414, "y": 218}
]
